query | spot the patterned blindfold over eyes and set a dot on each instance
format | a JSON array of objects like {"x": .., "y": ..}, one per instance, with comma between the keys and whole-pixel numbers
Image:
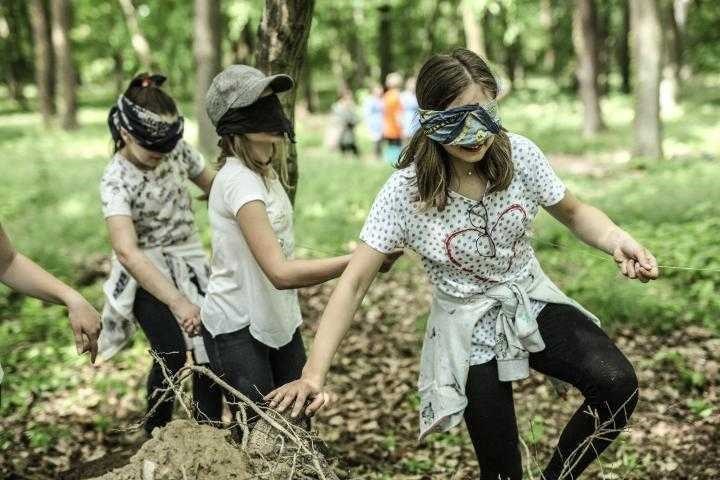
[{"x": 469, "y": 125}]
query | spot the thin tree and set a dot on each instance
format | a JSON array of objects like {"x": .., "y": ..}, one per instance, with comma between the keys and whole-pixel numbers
[
  {"x": 548, "y": 26},
  {"x": 472, "y": 13},
  {"x": 13, "y": 19},
  {"x": 43, "y": 59},
  {"x": 66, "y": 76},
  {"x": 647, "y": 61},
  {"x": 623, "y": 48},
  {"x": 137, "y": 37},
  {"x": 282, "y": 46},
  {"x": 586, "y": 50},
  {"x": 673, "y": 18},
  {"x": 207, "y": 61},
  {"x": 385, "y": 41}
]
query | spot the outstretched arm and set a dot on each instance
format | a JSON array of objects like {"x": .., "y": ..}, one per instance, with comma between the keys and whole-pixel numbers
[
  {"x": 25, "y": 276},
  {"x": 334, "y": 324},
  {"x": 595, "y": 228},
  {"x": 286, "y": 273}
]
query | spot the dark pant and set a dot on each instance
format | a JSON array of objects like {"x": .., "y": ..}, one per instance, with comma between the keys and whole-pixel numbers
[
  {"x": 576, "y": 351},
  {"x": 166, "y": 339},
  {"x": 252, "y": 367}
]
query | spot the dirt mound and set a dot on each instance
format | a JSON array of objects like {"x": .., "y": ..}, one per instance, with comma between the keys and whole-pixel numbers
[
  {"x": 182, "y": 450},
  {"x": 277, "y": 448}
]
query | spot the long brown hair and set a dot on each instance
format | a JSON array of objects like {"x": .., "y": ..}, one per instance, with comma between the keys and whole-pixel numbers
[
  {"x": 237, "y": 145},
  {"x": 440, "y": 80}
]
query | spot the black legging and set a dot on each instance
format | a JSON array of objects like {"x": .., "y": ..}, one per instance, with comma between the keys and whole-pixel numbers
[
  {"x": 252, "y": 367},
  {"x": 166, "y": 339},
  {"x": 576, "y": 351}
]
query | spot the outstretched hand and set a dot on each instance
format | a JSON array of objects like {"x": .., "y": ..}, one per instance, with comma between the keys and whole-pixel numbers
[
  {"x": 635, "y": 261},
  {"x": 86, "y": 326},
  {"x": 297, "y": 393}
]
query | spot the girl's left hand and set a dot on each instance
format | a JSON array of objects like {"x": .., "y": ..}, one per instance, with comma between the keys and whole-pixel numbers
[{"x": 635, "y": 261}]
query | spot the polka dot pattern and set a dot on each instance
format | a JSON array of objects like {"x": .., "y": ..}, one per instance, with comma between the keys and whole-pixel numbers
[{"x": 470, "y": 245}]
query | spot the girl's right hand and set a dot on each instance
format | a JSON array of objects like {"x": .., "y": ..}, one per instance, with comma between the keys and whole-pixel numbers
[
  {"x": 297, "y": 393},
  {"x": 86, "y": 325},
  {"x": 188, "y": 314}
]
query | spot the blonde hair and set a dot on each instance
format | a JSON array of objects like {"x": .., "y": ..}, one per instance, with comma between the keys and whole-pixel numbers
[
  {"x": 237, "y": 145},
  {"x": 440, "y": 80}
]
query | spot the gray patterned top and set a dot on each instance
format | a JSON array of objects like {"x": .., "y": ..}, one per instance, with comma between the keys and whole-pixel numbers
[{"x": 157, "y": 200}]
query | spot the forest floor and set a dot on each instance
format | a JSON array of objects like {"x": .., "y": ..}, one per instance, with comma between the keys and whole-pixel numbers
[
  {"x": 58, "y": 412},
  {"x": 674, "y": 433}
]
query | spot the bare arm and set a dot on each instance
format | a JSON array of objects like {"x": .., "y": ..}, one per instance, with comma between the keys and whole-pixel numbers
[
  {"x": 25, "y": 276},
  {"x": 205, "y": 179},
  {"x": 595, "y": 228},
  {"x": 334, "y": 324},
  {"x": 283, "y": 273},
  {"x": 124, "y": 242}
]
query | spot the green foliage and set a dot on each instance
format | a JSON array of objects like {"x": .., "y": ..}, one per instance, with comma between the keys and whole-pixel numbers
[{"x": 344, "y": 45}]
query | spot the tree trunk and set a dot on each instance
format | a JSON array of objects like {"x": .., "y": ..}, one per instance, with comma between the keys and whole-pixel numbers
[
  {"x": 624, "y": 48},
  {"x": 385, "y": 42},
  {"x": 647, "y": 60},
  {"x": 282, "y": 46},
  {"x": 137, "y": 38},
  {"x": 65, "y": 76},
  {"x": 306, "y": 84},
  {"x": 602, "y": 38},
  {"x": 680, "y": 12},
  {"x": 674, "y": 16},
  {"x": 431, "y": 38},
  {"x": 207, "y": 62},
  {"x": 43, "y": 59},
  {"x": 11, "y": 41},
  {"x": 118, "y": 72},
  {"x": 512, "y": 47},
  {"x": 472, "y": 23},
  {"x": 584, "y": 41},
  {"x": 243, "y": 47},
  {"x": 548, "y": 25},
  {"x": 357, "y": 51}
]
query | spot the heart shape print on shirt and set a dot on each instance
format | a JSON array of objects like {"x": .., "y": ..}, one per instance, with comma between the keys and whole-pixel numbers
[{"x": 471, "y": 249}]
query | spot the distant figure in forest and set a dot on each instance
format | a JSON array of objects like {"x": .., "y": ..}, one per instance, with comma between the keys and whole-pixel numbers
[
  {"x": 373, "y": 115},
  {"x": 392, "y": 117},
  {"x": 344, "y": 111},
  {"x": 410, "y": 120}
]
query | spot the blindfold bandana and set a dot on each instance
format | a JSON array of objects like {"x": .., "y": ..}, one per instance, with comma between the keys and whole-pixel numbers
[
  {"x": 469, "y": 125},
  {"x": 265, "y": 115},
  {"x": 149, "y": 129}
]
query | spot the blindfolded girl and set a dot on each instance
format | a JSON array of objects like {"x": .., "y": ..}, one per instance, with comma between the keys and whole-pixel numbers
[
  {"x": 251, "y": 315},
  {"x": 159, "y": 269},
  {"x": 464, "y": 198}
]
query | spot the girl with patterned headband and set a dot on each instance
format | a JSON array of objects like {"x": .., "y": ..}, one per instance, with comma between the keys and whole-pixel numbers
[
  {"x": 464, "y": 198},
  {"x": 159, "y": 268}
]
